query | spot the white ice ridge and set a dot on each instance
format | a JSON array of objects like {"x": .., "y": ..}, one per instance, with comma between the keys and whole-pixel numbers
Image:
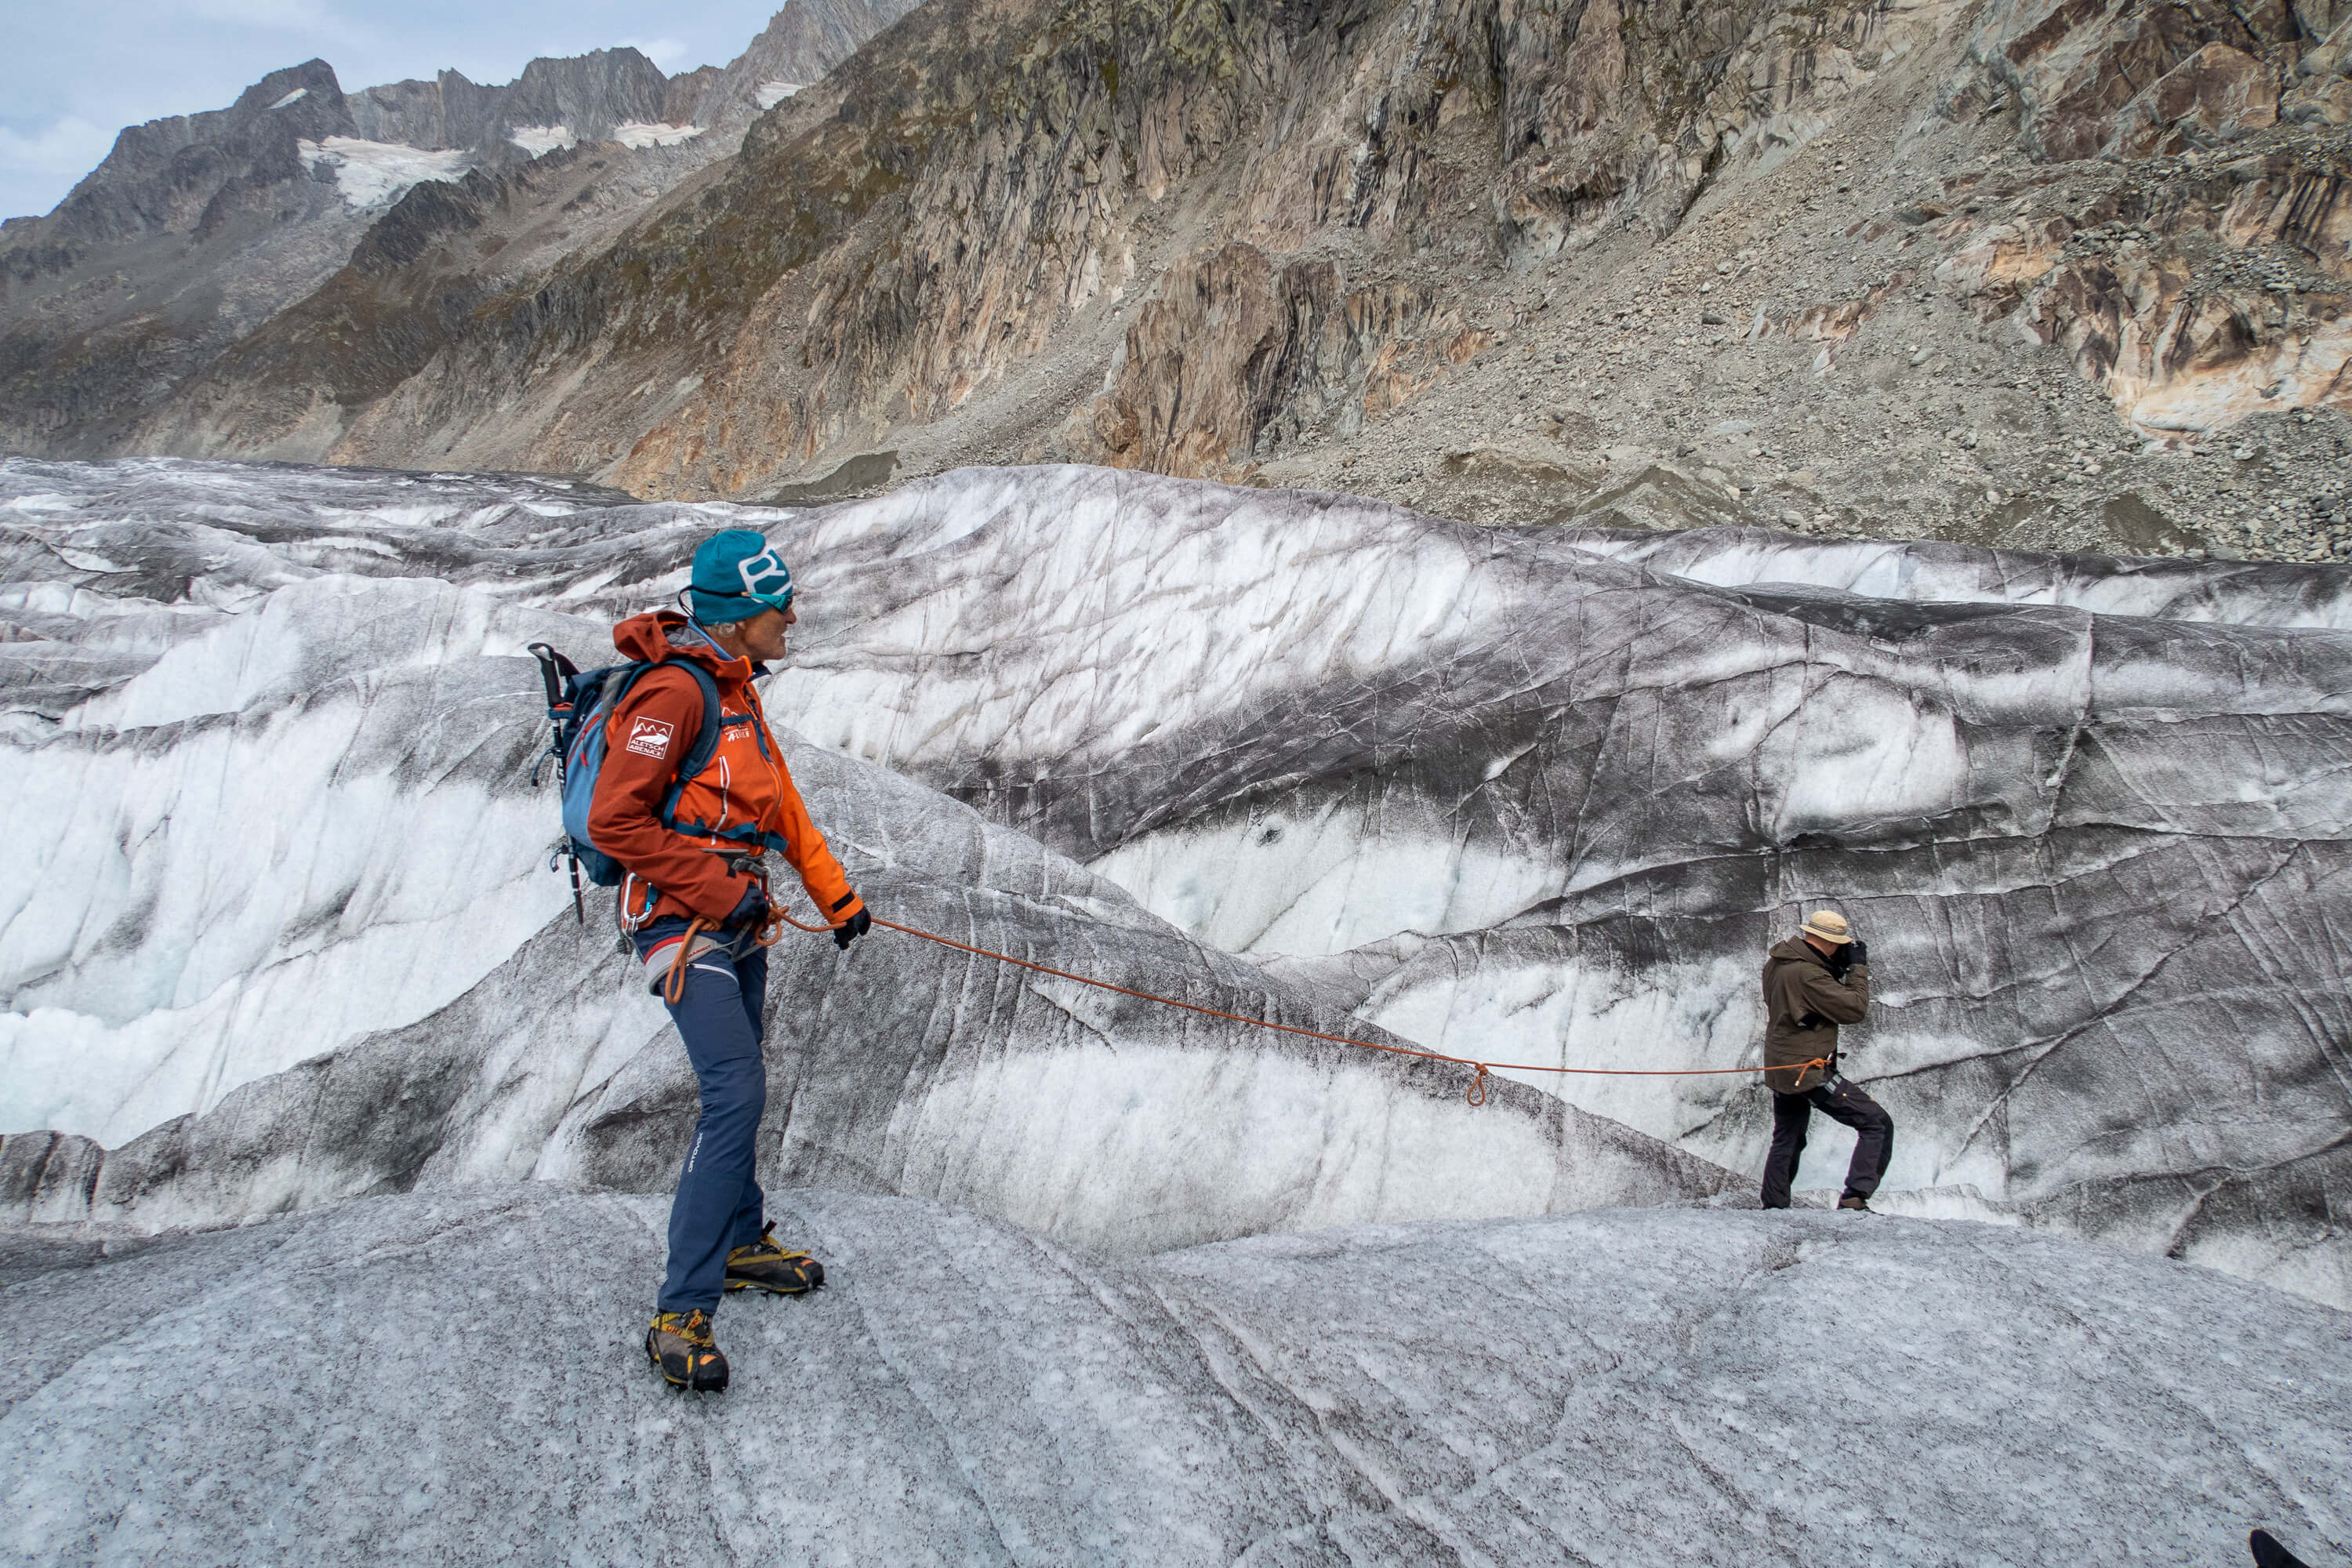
[
  {"x": 772, "y": 93},
  {"x": 1639, "y": 1388},
  {"x": 2248, "y": 592},
  {"x": 538, "y": 139},
  {"x": 307, "y": 847},
  {"x": 377, "y": 174},
  {"x": 1489, "y": 790},
  {"x": 641, "y": 134}
]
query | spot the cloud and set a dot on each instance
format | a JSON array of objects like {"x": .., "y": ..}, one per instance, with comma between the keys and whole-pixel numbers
[
  {"x": 303, "y": 23},
  {"x": 70, "y": 146},
  {"x": 666, "y": 53},
  {"x": 288, "y": 15}
]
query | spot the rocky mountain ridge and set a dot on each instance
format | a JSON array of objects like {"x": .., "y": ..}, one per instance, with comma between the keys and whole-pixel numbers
[
  {"x": 589, "y": 97},
  {"x": 196, "y": 229},
  {"x": 2019, "y": 272}
]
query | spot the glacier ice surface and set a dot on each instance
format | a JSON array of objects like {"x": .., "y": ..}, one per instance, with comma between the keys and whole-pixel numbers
[
  {"x": 642, "y": 133},
  {"x": 456, "y": 1377},
  {"x": 1533, "y": 796},
  {"x": 1546, "y": 797},
  {"x": 540, "y": 140},
  {"x": 282, "y": 932}
]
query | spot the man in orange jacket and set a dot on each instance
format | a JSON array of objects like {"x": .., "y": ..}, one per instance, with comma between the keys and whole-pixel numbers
[{"x": 690, "y": 899}]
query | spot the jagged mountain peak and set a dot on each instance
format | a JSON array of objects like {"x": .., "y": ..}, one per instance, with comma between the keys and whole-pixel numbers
[
  {"x": 589, "y": 95},
  {"x": 800, "y": 45},
  {"x": 163, "y": 176}
]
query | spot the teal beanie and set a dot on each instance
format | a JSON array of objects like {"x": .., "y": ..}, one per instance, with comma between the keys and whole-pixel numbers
[{"x": 736, "y": 576}]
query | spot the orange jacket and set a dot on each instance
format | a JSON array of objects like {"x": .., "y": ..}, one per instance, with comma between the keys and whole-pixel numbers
[{"x": 744, "y": 801}]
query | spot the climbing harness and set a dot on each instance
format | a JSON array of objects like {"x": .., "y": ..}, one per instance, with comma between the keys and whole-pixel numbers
[{"x": 771, "y": 930}]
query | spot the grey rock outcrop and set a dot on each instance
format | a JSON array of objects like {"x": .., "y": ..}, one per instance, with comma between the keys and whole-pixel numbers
[{"x": 801, "y": 42}]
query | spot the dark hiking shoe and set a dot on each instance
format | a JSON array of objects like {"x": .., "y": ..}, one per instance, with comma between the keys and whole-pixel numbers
[
  {"x": 681, "y": 1344},
  {"x": 2269, "y": 1553},
  {"x": 1851, "y": 1202},
  {"x": 767, "y": 1266}
]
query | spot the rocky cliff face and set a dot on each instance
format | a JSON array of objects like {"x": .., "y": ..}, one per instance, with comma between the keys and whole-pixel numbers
[
  {"x": 2021, "y": 272},
  {"x": 800, "y": 45}
]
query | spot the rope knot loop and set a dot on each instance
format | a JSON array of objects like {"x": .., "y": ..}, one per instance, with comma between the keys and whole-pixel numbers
[{"x": 1478, "y": 1095}]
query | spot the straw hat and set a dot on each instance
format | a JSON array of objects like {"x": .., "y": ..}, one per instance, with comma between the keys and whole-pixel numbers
[{"x": 1827, "y": 924}]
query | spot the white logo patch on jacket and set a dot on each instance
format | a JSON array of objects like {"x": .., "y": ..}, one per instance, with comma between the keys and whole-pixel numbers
[{"x": 649, "y": 737}]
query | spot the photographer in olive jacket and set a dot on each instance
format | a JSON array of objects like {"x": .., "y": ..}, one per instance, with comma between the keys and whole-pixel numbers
[{"x": 1813, "y": 981}]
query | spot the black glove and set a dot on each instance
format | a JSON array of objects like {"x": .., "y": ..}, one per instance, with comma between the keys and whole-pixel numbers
[
  {"x": 853, "y": 928},
  {"x": 1857, "y": 952},
  {"x": 751, "y": 910}
]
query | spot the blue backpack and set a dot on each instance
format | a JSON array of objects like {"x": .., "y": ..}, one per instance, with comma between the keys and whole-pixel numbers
[{"x": 578, "y": 701}]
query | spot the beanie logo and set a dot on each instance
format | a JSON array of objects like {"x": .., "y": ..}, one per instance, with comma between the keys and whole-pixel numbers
[
  {"x": 650, "y": 737},
  {"x": 764, "y": 577}
]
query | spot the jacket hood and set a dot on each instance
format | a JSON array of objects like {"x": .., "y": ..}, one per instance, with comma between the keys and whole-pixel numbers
[
  {"x": 1797, "y": 950},
  {"x": 649, "y": 636}
]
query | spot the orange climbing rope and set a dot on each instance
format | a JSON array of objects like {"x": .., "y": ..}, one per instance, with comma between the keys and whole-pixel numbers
[{"x": 772, "y": 931}]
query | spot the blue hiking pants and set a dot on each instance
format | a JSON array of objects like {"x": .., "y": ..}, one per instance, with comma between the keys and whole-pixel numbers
[{"x": 718, "y": 1206}]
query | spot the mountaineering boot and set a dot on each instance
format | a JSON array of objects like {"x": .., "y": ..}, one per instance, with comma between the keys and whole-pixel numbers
[
  {"x": 681, "y": 1344},
  {"x": 1851, "y": 1202},
  {"x": 2269, "y": 1553},
  {"x": 767, "y": 1266}
]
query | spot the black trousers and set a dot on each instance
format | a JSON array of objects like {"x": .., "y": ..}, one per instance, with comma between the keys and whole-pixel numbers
[{"x": 1839, "y": 1102}]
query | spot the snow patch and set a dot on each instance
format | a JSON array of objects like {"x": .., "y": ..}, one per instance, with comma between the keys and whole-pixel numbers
[
  {"x": 540, "y": 140},
  {"x": 772, "y": 93},
  {"x": 640, "y": 134},
  {"x": 378, "y": 174},
  {"x": 297, "y": 96}
]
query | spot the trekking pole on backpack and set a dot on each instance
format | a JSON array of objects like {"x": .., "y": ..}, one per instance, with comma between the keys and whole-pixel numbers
[{"x": 555, "y": 673}]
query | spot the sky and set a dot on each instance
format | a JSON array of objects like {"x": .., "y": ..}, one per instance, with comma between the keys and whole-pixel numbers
[{"x": 76, "y": 71}]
